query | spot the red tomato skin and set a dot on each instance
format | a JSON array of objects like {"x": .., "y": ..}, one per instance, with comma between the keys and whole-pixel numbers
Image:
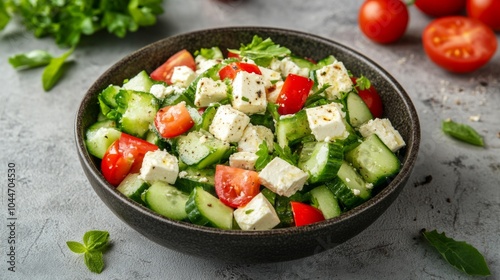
[
  {"x": 440, "y": 8},
  {"x": 229, "y": 71},
  {"x": 293, "y": 94},
  {"x": 235, "y": 187},
  {"x": 233, "y": 55},
  {"x": 172, "y": 121},
  {"x": 164, "y": 72},
  {"x": 487, "y": 11},
  {"x": 474, "y": 43},
  {"x": 383, "y": 21},
  {"x": 372, "y": 99},
  {"x": 304, "y": 214},
  {"x": 124, "y": 156}
]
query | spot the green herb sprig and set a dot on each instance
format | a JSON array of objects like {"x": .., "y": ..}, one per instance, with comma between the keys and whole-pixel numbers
[
  {"x": 459, "y": 254},
  {"x": 94, "y": 244},
  {"x": 68, "y": 21}
]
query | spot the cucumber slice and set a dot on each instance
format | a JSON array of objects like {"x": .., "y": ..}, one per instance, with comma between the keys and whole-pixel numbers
[
  {"x": 192, "y": 178},
  {"x": 357, "y": 111},
  {"x": 201, "y": 149},
  {"x": 291, "y": 128},
  {"x": 349, "y": 187},
  {"x": 324, "y": 199},
  {"x": 140, "y": 82},
  {"x": 166, "y": 200},
  {"x": 374, "y": 160},
  {"x": 206, "y": 209},
  {"x": 138, "y": 111},
  {"x": 100, "y": 136},
  {"x": 133, "y": 187},
  {"x": 207, "y": 117},
  {"x": 321, "y": 160}
]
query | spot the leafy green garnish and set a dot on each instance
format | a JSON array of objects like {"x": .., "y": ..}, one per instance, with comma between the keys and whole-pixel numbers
[
  {"x": 459, "y": 254},
  {"x": 262, "y": 51},
  {"x": 316, "y": 96},
  {"x": 53, "y": 72},
  {"x": 363, "y": 83},
  {"x": 94, "y": 244},
  {"x": 462, "y": 132},
  {"x": 286, "y": 154},
  {"x": 211, "y": 53},
  {"x": 66, "y": 21},
  {"x": 263, "y": 156},
  {"x": 30, "y": 59}
]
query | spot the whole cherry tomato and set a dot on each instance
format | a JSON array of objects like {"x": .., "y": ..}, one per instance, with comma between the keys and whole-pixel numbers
[
  {"x": 487, "y": 11},
  {"x": 383, "y": 21}
]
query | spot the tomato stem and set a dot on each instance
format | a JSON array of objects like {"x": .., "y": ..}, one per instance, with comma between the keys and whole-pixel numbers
[{"x": 410, "y": 3}]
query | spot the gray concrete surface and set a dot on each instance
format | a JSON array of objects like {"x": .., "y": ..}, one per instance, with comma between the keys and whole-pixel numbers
[{"x": 455, "y": 187}]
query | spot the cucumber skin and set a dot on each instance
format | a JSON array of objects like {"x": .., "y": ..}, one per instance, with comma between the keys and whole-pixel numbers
[
  {"x": 359, "y": 162},
  {"x": 195, "y": 213},
  {"x": 334, "y": 161},
  {"x": 344, "y": 194},
  {"x": 160, "y": 188},
  {"x": 326, "y": 201},
  {"x": 136, "y": 195}
]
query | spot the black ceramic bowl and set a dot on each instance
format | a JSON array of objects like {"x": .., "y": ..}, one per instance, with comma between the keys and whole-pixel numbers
[{"x": 251, "y": 246}]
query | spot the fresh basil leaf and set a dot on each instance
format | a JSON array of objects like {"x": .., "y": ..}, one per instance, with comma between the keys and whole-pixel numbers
[
  {"x": 30, "y": 59},
  {"x": 4, "y": 16},
  {"x": 459, "y": 254},
  {"x": 94, "y": 261},
  {"x": 96, "y": 240},
  {"x": 462, "y": 132},
  {"x": 53, "y": 72},
  {"x": 76, "y": 247}
]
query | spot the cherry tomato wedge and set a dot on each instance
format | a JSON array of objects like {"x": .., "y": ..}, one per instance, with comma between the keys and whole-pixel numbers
[
  {"x": 440, "y": 8},
  {"x": 172, "y": 121},
  {"x": 371, "y": 98},
  {"x": 164, "y": 72},
  {"x": 304, "y": 214},
  {"x": 124, "y": 156},
  {"x": 229, "y": 71},
  {"x": 235, "y": 187},
  {"x": 293, "y": 94},
  {"x": 383, "y": 21},
  {"x": 487, "y": 11},
  {"x": 459, "y": 44}
]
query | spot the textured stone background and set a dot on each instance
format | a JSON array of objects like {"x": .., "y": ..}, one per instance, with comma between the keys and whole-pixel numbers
[{"x": 55, "y": 202}]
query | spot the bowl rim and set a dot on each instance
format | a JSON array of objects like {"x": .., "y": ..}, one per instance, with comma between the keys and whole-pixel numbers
[{"x": 406, "y": 165}]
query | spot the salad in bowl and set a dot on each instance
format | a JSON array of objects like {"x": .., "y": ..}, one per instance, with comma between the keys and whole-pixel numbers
[{"x": 251, "y": 138}]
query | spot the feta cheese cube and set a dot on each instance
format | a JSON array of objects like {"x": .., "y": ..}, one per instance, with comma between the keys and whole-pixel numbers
[
  {"x": 289, "y": 67},
  {"x": 385, "y": 131},
  {"x": 204, "y": 64},
  {"x": 326, "y": 122},
  {"x": 209, "y": 91},
  {"x": 182, "y": 76},
  {"x": 228, "y": 124},
  {"x": 270, "y": 76},
  {"x": 258, "y": 214},
  {"x": 160, "y": 91},
  {"x": 244, "y": 160},
  {"x": 282, "y": 178},
  {"x": 337, "y": 77},
  {"x": 249, "y": 93},
  {"x": 159, "y": 166},
  {"x": 253, "y": 136},
  {"x": 274, "y": 91}
]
